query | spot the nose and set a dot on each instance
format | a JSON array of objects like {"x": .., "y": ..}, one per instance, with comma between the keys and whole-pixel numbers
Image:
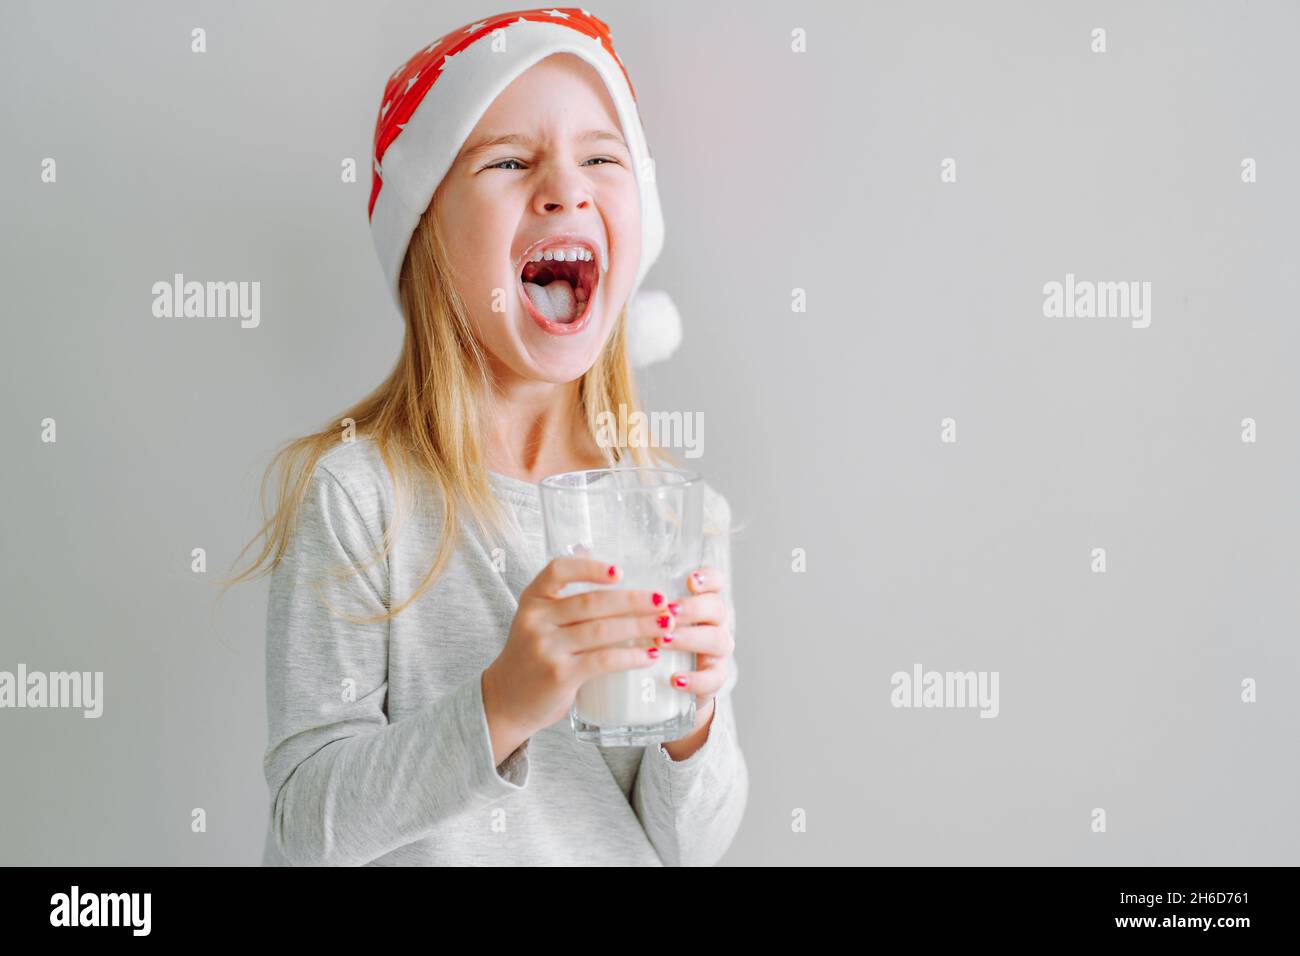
[{"x": 562, "y": 190}]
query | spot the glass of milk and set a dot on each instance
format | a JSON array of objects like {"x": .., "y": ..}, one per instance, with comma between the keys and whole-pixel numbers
[{"x": 648, "y": 521}]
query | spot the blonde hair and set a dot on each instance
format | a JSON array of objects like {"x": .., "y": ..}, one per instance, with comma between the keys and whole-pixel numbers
[{"x": 425, "y": 417}]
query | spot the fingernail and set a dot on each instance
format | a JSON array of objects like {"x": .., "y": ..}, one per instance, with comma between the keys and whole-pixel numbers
[
  {"x": 665, "y": 620},
  {"x": 666, "y": 638},
  {"x": 653, "y": 652},
  {"x": 679, "y": 680},
  {"x": 659, "y": 599},
  {"x": 697, "y": 578},
  {"x": 613, "y": 570},
  {"x": 674, "y": 607}
]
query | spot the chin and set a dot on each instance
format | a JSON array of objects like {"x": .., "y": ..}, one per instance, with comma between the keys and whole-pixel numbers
[
  {"x": 559, "y": 363},
  {"x": 562, "y": 352}
]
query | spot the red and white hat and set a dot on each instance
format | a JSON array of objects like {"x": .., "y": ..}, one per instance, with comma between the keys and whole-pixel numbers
[{"x": 433, "y": 101}]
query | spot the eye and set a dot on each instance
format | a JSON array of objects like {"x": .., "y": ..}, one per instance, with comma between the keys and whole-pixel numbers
[{"x": 518, "y": 164}]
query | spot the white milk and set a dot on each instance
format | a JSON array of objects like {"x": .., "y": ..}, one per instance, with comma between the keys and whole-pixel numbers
[{"x": 643, "y": 696}]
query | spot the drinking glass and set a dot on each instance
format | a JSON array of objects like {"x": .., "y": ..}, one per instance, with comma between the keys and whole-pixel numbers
[{"x": 648, "y": 521}]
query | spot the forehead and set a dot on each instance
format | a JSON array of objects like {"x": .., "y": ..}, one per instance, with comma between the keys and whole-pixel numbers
[{"x": 558, "y": 89}]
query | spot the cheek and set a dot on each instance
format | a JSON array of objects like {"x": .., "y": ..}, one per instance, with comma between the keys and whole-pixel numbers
[
  {"x": 624, "y": 222},
  {"x": 478, "y": 251}
]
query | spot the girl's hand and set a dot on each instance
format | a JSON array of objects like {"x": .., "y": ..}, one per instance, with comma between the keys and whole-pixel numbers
[
  {"x": 556, "y": 644},
  {"x": 702, "y": 627}
]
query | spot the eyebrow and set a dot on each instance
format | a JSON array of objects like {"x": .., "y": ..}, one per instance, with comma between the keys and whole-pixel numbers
[{"x": 520, "y": 139}]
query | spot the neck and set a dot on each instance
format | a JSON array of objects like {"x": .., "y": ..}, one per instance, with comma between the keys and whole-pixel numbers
[{"x": 537, "y": 429}]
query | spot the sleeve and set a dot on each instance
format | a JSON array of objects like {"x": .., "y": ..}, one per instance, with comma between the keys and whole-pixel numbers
[
  {"x": 691, "y": 809},
  {"x": 346, "y": 785}
]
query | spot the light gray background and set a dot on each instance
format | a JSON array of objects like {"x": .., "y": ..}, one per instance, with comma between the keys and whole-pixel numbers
[{"x": 776, "y": 171}]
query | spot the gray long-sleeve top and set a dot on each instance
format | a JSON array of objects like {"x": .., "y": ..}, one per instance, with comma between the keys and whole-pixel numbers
[{"x": 379, "y": 752}]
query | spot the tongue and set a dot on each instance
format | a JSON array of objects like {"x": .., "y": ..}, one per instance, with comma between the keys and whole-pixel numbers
[{"x": 555, "y": 300}]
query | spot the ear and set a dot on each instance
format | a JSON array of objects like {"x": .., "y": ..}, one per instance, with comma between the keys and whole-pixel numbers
[{"x": 654, "y": 328}]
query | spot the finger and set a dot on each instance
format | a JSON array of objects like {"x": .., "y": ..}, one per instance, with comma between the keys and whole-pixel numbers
[
  {"x": 603, "y": 660},
  {"x": 563, "y": 571},
  {"x": 701, "y": 639},
  {"x": 613, "y": 631},
  {"x": 606, "y": 602},
  {"x": 701, "y": 682},
  {"x": 707, "y": 608},
  {"x": 707, "y": 578}
]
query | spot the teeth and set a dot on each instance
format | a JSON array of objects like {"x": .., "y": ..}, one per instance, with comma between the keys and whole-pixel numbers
[{"x": 567, "y": 254}]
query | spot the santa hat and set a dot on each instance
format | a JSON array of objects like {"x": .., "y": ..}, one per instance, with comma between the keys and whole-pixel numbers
[{"x": 433, "y": 101}]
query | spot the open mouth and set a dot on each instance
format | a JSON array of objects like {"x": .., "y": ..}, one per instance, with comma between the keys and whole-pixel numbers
[{"x": 558, "y": 291}]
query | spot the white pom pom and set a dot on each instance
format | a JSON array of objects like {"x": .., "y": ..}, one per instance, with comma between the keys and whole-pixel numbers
[{"x": 654, "y": 328}]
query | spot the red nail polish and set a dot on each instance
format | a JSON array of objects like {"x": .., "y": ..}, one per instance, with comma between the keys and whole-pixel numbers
[
  {"x": 665, "y": 620},
  {"x": 653, "y": 652},
  {"x": 699, "y": 578},
  {"x": 666, "y": 638},
  {"x": 679, "y": 681},
  {"x": 674, "y": 607},
  {"x": 658, "y": 599},
  {"x": 613, "y": 570}
]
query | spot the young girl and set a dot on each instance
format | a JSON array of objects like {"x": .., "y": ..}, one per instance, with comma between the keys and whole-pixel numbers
[{"x": 420, "y": 663}]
